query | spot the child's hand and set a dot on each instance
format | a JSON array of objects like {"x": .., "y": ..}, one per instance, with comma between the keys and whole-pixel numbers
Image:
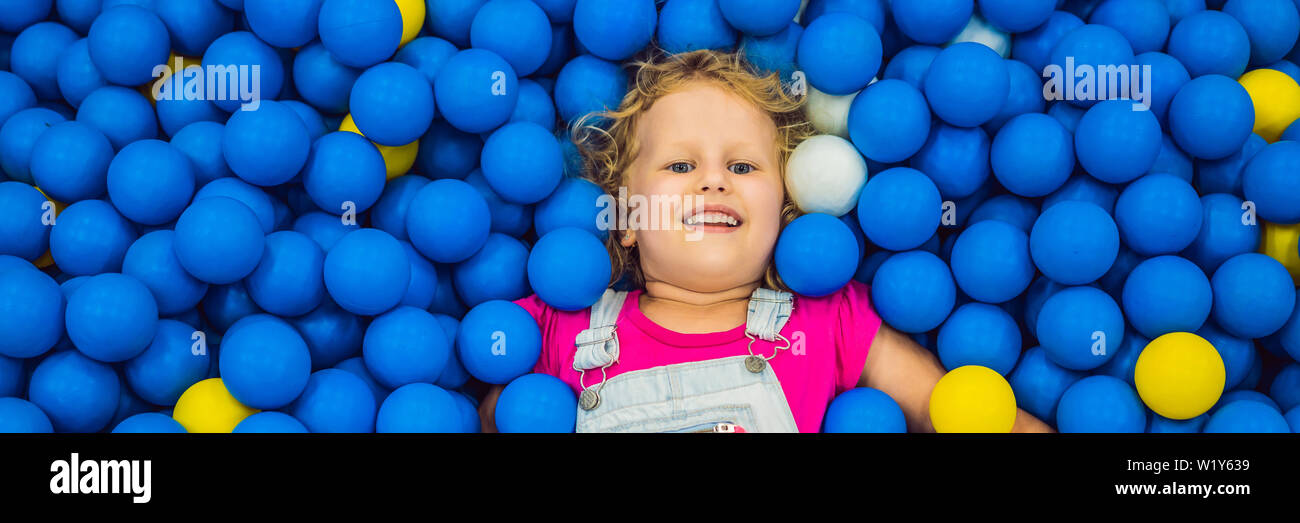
[{"x": 908, "y": 373}]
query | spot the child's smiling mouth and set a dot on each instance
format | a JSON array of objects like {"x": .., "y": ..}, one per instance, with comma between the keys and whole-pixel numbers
[{"x": 712, "y": 218}]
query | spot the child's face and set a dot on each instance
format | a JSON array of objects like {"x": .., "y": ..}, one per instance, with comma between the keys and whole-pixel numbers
[{"x": 715, "y": 151}]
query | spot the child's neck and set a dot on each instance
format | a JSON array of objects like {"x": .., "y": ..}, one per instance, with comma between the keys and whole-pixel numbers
[{"x": 690, "y": 312}]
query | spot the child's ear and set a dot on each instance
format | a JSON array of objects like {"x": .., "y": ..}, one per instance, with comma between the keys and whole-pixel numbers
[{"x": 629, "y": 238}]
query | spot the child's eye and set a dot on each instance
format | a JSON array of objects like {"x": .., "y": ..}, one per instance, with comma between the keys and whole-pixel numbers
[
  {"x": 681, "y": 167},
  {"x": 741, "y": 168}
]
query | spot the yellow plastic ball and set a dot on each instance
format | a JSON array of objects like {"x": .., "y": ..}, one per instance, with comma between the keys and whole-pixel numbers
[
  {"x": 151, "y": 89},
  {"x": 1179, "y": 375},
  {"x": 1282, "y": 243},
  {"x": 1277, "y": 101},
  {"x": 397, "y": 160},
  {"x": 412, "y": 19},
  {"x": 972, "y": 399},
  {"x": 208, "y": 407}
]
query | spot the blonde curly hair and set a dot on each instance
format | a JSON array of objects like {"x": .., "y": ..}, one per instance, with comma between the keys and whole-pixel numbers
[{"x": 607, "y": 140}]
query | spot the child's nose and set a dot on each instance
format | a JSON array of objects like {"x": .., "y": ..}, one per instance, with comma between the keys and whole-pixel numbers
[{"x": 714, "y": 179}]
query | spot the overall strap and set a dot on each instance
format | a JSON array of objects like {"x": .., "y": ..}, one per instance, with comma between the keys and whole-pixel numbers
[
  {"x": 598, "y": 345},
  {"x": 768, "y": 311}
]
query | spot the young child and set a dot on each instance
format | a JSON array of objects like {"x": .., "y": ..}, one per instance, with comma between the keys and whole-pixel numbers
[{"x": 709, "y": 339}]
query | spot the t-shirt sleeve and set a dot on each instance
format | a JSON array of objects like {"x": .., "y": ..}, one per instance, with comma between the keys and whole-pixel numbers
[
  {"x": 545, "y": 317},
  {"x": 856, "y": 327}
]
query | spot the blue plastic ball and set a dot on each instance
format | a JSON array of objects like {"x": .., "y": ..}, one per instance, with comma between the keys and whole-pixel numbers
[
  {"x": 967, "y": 84},
  {"x": 22, "y": 13},
  {"x": 1285, "y": 388},
  {"x": 268, "y": 146},
  {"x": 367, "y": 272},
  {"x": 31, "y": 313},
  {"x": 1238, "y": 354},
  {"x": 1092, "y": 45},
  {"x": 576, "y": 202},
  {"x": 955, "y": 158},
  {"x": 864, "y": 410},
  {"x": 321, "y": 80},
  {"x": 498, "y": 271},
  {"x": 15, "y": 95},
  {"x": 1014, "y": 210},
  {"x": 1116, "y": 143},
  {"x": 560, "y": 11},
  {"x": 1253, "y": 295},
  {"x": 270, "y": 422},
  {"x": 1211, "y": 117},
  {"x": 1032, "y": 155},
  {"x": 979, "y": 334},
  {"x": 358, "y": 368},
  {"x": 112, "y": 317},
  {"x": 1271, "y": 27},
  {"x": 446, "y": 152},
  {"x": 759, "y": 18},
  {"x": 614, "y": 30},
  {"x": 1269, "y": 181},
  {"x": 122, "y": 114},
  {"x": 392, "y": 104},
  {"x": 360, "y": 33},
  {"x": 1167, "y": 76},
  {"x": 18, "y": 415},
  {"x": 325, "y": 229},
  {"x": 1158, "y": 214},
  {"x": 1101, "y": 404},
  {"x": 1034, "y": 47},
  {"x": 1246, "y": 416},
  {"x": 1024, "y": 95},
  {"x": 236, "y": 189},
  {"x": 535, "y": 105},
  {"x": 1016, "y": 16},
  {"x": 448, "y": 221},
  {"x": 816, "y": 254},
  {"x": 691, "y": 25},
  {"x": 17, "y": 138},
  {"x": 126, "y": 43},
  {"x": 264, "y": 362},
  {"x": 498, "y": 341},
  {"x": 389, "y": 212},
  {"x": 1038, "y": 383},
  {"x": 419, "y": 407},
  {"x": 1145, "y": 23},
  {"x": 1210, "y": 42},
  {"x": 169, "y": 365},
  {"x": 70, "y": 161},
  {"x": 536, "y": 403},
  {"x": 35, "y": 56},
  {"x": 201, "y": 143},
  {"x": 23, "y": 234},
  {"x": 911, "y": 65},
  {"x": 569, "y": 268},
  {"x": 335, "y": 401},
  {"x": 1173, "y": 160},
  {"x": 1166, "y": 294},
  {"x": 913, "y": 291},
  {"x": 991, "y": 261},
  {"x": 1225, "y": 175},
  {"x": 476, "y": 90},
  {"x": 451, "y": 19},
  {"x": 1162, "y": 425},
  {"x": 774, "y": 53},
  {"x": 282, "y": 23},
  {"x": 149, "y": 423},
  {"x": 219, "y": 240},
  {"x": 1080, "y": 328},
  {"x": 176, "y": 111},
  {"x": 899, "y": 209},
  {"x": 195, "y": 24},
  {"x": 87, "y": 407},
  {"x": 932, "y": 21},
  {"x": 288, "y": 280},
  {"x": 405, "y": 345},
  {"x": 241, "y": 51},
  {"x": 223, "y": 305},
  {"x": 150, "y": 182},
  {"x": 586, "y": 85},
  {"x": 522, "y": 162},
  {"x": 1074, "y": 242},
  {"x": 517, "y": 30},
  {"x": 344, "y": 173},
  {"x": 331, "y": 333},
  {"x": 889, "y": 121},
  {"x": 840, "y": 53},
  {"x": 90, "y": 237}
]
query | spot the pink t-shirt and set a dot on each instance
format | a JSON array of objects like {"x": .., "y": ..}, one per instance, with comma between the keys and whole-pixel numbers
[{"x": 837, "y": 333}]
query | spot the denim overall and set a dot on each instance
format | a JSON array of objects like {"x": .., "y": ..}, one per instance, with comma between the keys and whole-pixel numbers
[{"x": 732, "y": 394}]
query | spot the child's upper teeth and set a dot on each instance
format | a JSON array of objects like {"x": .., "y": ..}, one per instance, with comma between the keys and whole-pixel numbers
[{"x": 711, "y": 218}]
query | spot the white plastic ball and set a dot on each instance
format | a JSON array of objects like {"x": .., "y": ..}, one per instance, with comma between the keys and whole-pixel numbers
[
  {"x": 980, "y": 31},
  {"x": 825, "y": 174},
  {"x": 829, "y": 113}
]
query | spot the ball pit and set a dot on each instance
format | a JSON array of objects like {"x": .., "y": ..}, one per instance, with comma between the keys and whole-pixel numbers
[{"x": 219, "y": 255}]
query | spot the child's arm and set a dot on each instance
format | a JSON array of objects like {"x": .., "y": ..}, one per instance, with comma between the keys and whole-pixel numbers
[
  {"x": 908, "y": 373},
  {"x": 487, "y": 409}
]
